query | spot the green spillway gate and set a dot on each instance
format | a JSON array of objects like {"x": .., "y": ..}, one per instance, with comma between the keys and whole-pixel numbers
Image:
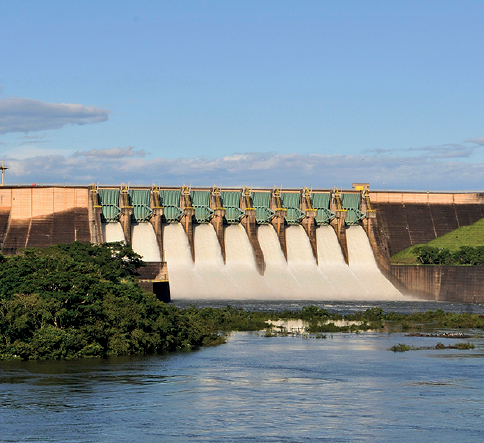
[
  {"x": 291, "y": 200},
  {"x": 351, "y": 202},
  {"x": 140, "y": 200},
  {"x": 262, "y": 203},
  {"x": 109, "y": 201},
  {"x": 201, "y": 203},
  {"x": 170, "y": 200},
  {"x": 231, "y": 203},
  {"x": 321, "y": 202}
]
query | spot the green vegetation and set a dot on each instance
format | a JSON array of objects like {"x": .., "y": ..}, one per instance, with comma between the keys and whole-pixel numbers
[
  {"x": 406, "y": 257},
  {"x": 460, "y": 346},
  {"x": 428, "y": 255},
  {"x": 466, "y": 236},
  {"x": 402, "y": 347},
  {"x": 79, "y": 300}
]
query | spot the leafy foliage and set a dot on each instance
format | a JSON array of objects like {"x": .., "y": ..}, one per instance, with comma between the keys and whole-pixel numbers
[
  {"x": 465, "y": 255},
  {"x": 81, "y": 300}
]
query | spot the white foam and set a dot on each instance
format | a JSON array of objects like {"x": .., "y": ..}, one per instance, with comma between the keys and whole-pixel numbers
[
  {"x": 143, "y": 242},
  {"x": 363, "y": 265},
  {"x": 113, "y": 232},
  {"x": 332, "y": 264},
  {"x": 184, "y": 278},
  {"x": 300, "y": 277}
]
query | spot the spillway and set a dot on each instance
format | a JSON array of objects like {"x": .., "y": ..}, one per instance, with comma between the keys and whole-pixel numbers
[
  {"x": 300, "y": 277},
  {"x": 113, "y": 232},
  {"x": 209, "y": 264},
  {"x": 303, "y": 266},
  {"x": 143, "y": 242},
  {"x": 333, "y": 265},
  {"x": 185, "y": 282},
  {"x": 277, "y": 273},
  {"x": 241, "y": 264},
  {"x": 363, "y": 265}
]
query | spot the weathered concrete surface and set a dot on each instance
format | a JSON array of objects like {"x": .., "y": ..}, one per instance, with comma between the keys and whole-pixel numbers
[
  {"x": 249, "y": 223},
  {"x": 47, "y": 230},
  {"x": 154, "y": 278},
  {"x": 404, "y": 225},
  {"x": 309, "y": 225},
  {"x": 155, "y": 220},
  {"x": 406, "y": 220},
  {"x": 445, "y": 198},
  {"x": 4, "y": 220},
  {"x": 440, "y": 283},
  {"x": 28, "y": 202}
]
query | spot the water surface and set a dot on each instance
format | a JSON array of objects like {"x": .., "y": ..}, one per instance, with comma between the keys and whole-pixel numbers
[{"x": 347, "y": 387}]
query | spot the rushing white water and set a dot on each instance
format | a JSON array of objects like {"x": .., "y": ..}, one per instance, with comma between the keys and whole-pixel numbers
[
  {"x": 185, "y": 282},
  {"x": 277, "y": 273},
  {"x": 143, "y": 241},
  {"x": 300, "y": 277},
  {"x": 363, "y": 265},
  {"x": 113, "y": 232},
  {"x": 241, "y": 264},
  {"x": 301, "y": 262},
  {"x": 332, "y": 264},
  {"x": 209, "y": 263}
]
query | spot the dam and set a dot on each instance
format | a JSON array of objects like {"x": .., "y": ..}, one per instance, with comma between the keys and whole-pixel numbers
[{"x": 255, "y": 243}]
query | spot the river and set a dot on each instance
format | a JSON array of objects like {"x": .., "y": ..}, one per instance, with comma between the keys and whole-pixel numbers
[{"x": 344, "y": 388}]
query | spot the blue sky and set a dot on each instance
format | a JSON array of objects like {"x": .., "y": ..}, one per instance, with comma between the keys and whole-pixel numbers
[{"x": 261, "y": 93}]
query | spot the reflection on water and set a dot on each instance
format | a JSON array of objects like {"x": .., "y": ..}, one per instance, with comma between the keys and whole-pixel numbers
[{"x": 347, "y": 387}]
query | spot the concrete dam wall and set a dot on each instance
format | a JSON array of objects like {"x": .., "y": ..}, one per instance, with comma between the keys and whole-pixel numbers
[
  {"x": 405, "y": 219},
  {"x": 323, "y": 244}
]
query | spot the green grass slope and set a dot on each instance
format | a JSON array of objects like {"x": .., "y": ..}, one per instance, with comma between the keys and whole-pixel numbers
[{"x": 472, "y": 235}]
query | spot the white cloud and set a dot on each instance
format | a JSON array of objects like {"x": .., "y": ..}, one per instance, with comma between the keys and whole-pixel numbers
[
  {"x": 478, "y": 141},
  {"x": 26, "y": 115},
  {"x": 112, "y": 153},
  {"x": 114, "y": 166},
  {"x": 28, "y": 151}
]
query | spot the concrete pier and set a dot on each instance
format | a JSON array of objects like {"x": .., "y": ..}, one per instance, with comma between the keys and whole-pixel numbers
[
  {"x": 249, "y": 223},
  {"x": 156, "y": 218},
  {"x": 126, "y": 213},
  {"x": 309, "y": 221},
  {"x": 217, "y": 218},
  {"x": 338, "y": 223},
  {"x": 279, "y": 219},
  {"x": 187, "y": 218},
  {"x": 94, "y": 211}
]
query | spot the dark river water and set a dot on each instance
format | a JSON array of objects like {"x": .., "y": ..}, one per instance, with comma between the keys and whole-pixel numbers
[{"x": 344, "y": 388}]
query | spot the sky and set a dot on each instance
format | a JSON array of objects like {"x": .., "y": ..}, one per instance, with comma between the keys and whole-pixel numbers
[{"x": 243, "y": 93}]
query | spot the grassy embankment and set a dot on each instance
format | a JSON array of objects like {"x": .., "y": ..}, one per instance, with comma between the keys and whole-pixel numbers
[{"x": 472, "y": 235}]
